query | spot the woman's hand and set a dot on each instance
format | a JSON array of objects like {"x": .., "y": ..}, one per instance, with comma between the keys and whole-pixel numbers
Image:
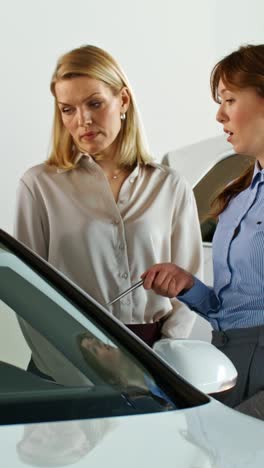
[{"x": 167, "y": 279}]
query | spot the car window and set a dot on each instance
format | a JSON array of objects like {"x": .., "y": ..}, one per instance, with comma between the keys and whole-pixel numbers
[
  {"x": 78, "y": 367},
  {"x": 214, "y": 180}
]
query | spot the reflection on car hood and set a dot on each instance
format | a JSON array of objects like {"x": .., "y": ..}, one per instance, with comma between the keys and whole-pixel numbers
[{"x": 210, "y": 436}]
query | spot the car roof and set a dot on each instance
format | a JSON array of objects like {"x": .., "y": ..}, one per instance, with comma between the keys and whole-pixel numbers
[{"x": 195, "y": 160}]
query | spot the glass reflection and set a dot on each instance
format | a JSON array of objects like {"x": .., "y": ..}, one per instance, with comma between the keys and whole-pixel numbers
[{"x": 58, "y": 444}]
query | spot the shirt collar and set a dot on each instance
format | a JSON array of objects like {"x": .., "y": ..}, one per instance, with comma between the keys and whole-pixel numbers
[
  {"x": 77, "y": 159},
  {"x": 258, "y": 175},
  {"x": 88, "y": 158}
]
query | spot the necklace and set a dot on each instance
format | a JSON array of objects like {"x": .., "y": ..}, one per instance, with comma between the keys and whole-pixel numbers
[{"x": 115, "y": 175}]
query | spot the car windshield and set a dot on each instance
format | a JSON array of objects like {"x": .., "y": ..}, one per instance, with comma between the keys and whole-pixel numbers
[{"x": 62, "y": 356}]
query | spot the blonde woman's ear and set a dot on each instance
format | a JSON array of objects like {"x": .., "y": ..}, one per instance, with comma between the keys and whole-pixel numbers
[{"x": 125, "y": 99}]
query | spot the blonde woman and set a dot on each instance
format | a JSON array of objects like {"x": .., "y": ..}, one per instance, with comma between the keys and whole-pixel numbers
[{"x": 99, "y": 209}]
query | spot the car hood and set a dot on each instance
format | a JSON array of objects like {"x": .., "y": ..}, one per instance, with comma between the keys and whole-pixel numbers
[
  {"x": 200, "y": 156},
  {"x": 208, "y": 436}
]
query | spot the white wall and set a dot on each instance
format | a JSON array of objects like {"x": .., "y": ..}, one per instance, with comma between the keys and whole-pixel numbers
[{"x": 237, "y": 22}]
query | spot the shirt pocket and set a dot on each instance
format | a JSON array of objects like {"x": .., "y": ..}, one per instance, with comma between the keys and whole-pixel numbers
[{"x": 259, "y": 224}]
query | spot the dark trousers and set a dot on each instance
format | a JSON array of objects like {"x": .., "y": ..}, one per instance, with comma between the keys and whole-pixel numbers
[
  {"x": 245, "y": 348},
  {"x": 148, "y": 332}
]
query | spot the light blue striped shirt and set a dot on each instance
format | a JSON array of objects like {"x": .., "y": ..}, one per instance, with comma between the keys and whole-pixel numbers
[{"x": 237, "y": 298}]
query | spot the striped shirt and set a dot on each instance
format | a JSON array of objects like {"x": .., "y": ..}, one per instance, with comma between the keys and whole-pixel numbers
[{"x": 237, "y": 298}]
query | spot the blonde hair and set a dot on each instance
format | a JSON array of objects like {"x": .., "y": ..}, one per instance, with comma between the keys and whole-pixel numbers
[{"x": 93, "y": 62}]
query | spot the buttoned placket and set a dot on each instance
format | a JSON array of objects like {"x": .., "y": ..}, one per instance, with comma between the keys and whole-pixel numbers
[
  {"x": 246, "y": 201},
  {"x": 126, "y": 303},
  {"x": 123, "y": 307}
]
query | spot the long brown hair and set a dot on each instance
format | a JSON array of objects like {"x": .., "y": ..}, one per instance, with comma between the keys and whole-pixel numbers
[{"x": 243, "y": 68}]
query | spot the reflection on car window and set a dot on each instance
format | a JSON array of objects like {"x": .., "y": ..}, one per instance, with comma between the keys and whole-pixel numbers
[
  {"x": 75, "y": 359},
  {"x": 12, "y": 339},
  {"x": 216, "y": 179}
]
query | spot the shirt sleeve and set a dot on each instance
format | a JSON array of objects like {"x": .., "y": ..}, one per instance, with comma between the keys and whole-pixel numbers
[
  {"x": 30, "y": 227},
  {"x": 186, "y": 251},
  {"x": 201, "y": 298}
]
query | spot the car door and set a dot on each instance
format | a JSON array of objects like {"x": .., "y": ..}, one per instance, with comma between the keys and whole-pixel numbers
[
  {"x": 106, "y": 397},
  {"x": 87, "y": 364}
]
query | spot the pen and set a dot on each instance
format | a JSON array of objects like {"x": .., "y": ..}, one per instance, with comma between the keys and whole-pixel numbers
[{"x": 124, "y": 293}]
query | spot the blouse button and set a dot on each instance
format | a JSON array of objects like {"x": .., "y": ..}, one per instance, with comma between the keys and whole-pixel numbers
[{"x": 125, "y": 275}]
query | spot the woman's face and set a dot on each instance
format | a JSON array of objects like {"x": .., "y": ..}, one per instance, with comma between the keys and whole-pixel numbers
[
  {"x": 91, "y": 113},
  {"x": 241, "y": 113},
  {"x": 106, "y": 355}
]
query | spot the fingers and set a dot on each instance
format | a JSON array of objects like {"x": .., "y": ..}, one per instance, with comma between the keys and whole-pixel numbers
[
  {"x": 168, "y": 287},
  {"x": 167, "y": 279},
  {"x": 172, "y": 289},
  {"x": 149, "y": 277}
]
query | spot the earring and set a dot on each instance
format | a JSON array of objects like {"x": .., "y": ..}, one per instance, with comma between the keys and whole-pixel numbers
[{"x": 123, "y": 116}]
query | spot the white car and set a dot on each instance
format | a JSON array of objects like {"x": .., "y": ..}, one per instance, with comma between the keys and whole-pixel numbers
[
  {"x": 105, "y": 398},
  {"x": 208, "y": 165}
]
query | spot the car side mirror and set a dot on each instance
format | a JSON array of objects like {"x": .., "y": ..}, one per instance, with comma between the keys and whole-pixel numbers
[{"x": 198, "y": 362}]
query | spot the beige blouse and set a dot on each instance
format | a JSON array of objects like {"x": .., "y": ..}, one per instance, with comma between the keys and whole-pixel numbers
[{"x": 71, "y": 219}]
